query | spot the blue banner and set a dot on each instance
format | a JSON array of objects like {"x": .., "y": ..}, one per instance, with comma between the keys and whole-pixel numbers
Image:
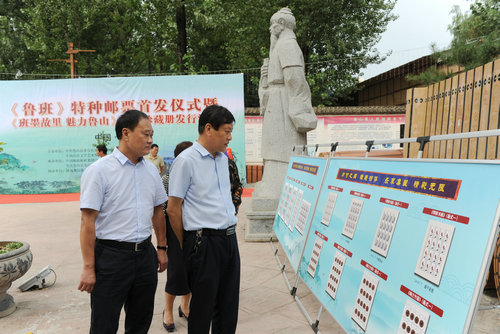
[
  {"x": 49, "y": 128},
  {"x": 439, "y": 187}
]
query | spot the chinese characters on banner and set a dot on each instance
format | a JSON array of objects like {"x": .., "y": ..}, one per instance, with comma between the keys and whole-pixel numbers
[
  {"x": 49, "y": 129},
  {"x": 104, "y": 113}
]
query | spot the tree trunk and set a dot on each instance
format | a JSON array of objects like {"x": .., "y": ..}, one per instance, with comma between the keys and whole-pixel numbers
[{"x": 180, "y": 20}]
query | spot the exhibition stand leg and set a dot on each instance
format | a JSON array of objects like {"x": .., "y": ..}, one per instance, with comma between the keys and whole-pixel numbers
[{"x": 281, "y": 265}]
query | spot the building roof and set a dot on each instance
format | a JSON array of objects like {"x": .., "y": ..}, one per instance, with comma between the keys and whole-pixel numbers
[
  {"x": 413, "y": 67},
  {"x": 357, "y": 110}
]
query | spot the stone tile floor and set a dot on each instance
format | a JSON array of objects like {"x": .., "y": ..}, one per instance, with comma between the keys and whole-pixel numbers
[{"x": 266, "y": 306}]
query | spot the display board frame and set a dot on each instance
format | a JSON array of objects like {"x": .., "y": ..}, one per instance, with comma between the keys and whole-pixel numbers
[
  {"x": 309, "y": 182},
  {"x": 410, "y": 294}
]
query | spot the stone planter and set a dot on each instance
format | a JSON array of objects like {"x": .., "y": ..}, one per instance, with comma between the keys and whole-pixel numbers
[{"x": 13, "y": 265}]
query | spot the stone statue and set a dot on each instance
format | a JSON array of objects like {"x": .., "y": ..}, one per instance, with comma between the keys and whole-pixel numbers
[{"x": 285, "y": 103}]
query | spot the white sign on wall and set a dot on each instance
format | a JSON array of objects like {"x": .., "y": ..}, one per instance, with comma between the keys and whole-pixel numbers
[{"x": 331, "y": 129}]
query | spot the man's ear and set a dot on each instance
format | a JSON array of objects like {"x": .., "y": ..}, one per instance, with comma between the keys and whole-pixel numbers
[
  {"x": 208, "y": 129},
  {"x": 125, "y": 133}
]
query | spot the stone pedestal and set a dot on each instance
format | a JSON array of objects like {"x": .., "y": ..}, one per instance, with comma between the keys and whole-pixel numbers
[
  {"x": 7, "y": 305},
  {"x": 265, "y": 201},
  {"x": 270, "y": 186},
  {"x": 260, "y": 226}
]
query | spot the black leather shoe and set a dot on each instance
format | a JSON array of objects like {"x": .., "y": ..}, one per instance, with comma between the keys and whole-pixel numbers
[
  {"x": 181, "y": 314},
  {"x": 170, "y": 327}
]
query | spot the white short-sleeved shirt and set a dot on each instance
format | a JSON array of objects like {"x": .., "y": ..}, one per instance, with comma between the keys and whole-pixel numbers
[
  {"x": 124, "y": 194},
  {"x": 202, "y": 181}
]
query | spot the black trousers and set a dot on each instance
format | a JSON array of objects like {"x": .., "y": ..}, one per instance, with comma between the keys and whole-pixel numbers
[
  {"x": 213, "y": 269},
  {"x": 124, "y": 278}
]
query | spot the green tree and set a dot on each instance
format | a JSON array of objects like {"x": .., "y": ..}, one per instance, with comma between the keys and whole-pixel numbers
[
  {"x": 476, "y": 40},
  {"x": 476, "y": 35},
  {"x": 14, "y": 54},
  {"x": 3, "y": 161},
  {"x": 129, "y": 36},
  {"x": 337, "y": 38}
]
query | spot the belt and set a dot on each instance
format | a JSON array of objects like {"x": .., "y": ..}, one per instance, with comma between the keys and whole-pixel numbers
[
  {"x": 135, "y": 246},
  {"x": 210, "y": 231}
]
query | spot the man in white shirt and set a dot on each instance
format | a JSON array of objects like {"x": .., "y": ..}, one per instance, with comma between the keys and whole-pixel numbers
[
  {"x": 201, "y": 213},
  {"x": 121, "y": 201}
]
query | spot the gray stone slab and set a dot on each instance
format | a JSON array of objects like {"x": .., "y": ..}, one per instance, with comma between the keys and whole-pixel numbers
[{"x": 52, "y": 229}]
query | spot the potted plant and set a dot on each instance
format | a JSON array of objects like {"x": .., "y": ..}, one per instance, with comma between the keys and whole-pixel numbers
[{"x": 15, "y": 261}]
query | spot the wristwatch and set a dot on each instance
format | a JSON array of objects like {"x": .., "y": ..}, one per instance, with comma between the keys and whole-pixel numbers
[{"x": 162, "y": 248}]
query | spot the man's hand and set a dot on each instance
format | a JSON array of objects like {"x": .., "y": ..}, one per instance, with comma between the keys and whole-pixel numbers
[
  {"x": 162, "y": 260},
  {"x": 174, "y": 211},
  {"x": 87, "y": 280},
  {"x": 87, "y": 243},
  {"x": 159, "y": 225}
]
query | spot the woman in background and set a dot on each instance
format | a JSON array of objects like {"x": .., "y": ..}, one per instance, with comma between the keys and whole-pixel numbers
[{"x": 177, "y": 283}]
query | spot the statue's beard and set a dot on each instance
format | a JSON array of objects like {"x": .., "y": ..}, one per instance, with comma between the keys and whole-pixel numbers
[{"x": 274, "y": 39}]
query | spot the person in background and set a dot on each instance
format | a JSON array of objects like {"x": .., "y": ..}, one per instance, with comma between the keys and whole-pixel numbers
[
  {"x": 202, "y": 215},
  {"x": 155, "y": 158},
  {"x": 120, "y": 204},
  {"x": 177, "y": 283},
  {"x": 234, "y": 179},
  {"x": 101, "y": 150}
]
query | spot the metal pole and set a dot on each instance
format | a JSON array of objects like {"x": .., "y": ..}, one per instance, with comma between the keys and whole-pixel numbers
[{"x": 281, "y": 266}]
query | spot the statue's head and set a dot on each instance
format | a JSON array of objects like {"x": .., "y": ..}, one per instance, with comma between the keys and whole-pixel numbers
[{"x": 284, "y": 17}]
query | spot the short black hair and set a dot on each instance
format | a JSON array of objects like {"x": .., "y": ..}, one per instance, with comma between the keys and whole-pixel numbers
[
  {"x": 181, "y": 147},
  {"x": 216, "y": 116},
  {"x": 128, "y": 120},
  {"x": 102, "y": 148},
  {"x": 153, "y": 146}
]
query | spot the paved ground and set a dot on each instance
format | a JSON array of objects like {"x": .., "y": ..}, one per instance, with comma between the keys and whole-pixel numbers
[{"x": 52, "y": 229}]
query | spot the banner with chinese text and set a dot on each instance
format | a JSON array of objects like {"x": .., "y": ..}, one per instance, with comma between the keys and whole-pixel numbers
[
  {"x": 402, "y": 246},
  {"x": 49, "y": 128},
  {"x": 333, "y": 129}
]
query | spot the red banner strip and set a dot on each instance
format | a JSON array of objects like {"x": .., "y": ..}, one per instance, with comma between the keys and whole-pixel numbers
[
  {"x": 424, "y": 302},
  {"x": 335, "y": 188},
  {"x": 362, "y": 195},
  {"x": 446, "y": 215},
  {"x": 394, "y": 202},
  {"x": 324, "y": 237},
  {"x": 39, "y": 198},
  {"x": 342, "y": 249},
  {"x": 374, "y": 270}
]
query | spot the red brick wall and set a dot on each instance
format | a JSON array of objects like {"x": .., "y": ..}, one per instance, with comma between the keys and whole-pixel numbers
[{"x": 254, "y": 173}]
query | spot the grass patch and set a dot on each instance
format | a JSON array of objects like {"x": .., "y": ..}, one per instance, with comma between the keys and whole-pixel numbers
[{"x": 10, "y": 247}]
